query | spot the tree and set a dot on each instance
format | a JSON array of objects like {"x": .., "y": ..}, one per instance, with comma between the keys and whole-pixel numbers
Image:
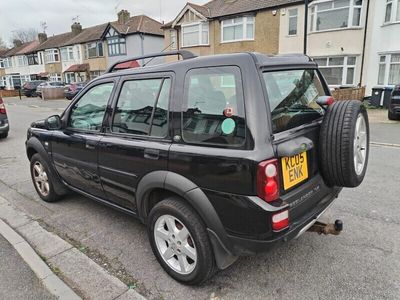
[
  {"x": 3, "y": 45},
  {"x": 24, "y": 35}
]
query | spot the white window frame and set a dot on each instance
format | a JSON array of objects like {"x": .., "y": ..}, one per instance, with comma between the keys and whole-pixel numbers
[
  {"x": 246, "y": 20},
  {"x": 1, "y": 63},
  {"x": 292, "y": 17},
  {"x": 50, "y": 56},
  {"x": 345, "y": 67},
  {"x": 173, "y": 39},
  {"x": 388, "y": 63},
  {"x": 394, "y": 13},
  {"x": 90, "y": 46},
  {"x": 8, "y": 62},
  {"x": 201, "y": 29},
  {"x": 314, "y": 13},
  {"x": 22, "y": 61},
  {"x": 55, "y": 77},
  {"x": 67, "y": 54}
]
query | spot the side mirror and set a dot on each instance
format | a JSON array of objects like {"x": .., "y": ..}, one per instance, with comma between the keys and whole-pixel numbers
[{"x": 53, "y": 123}]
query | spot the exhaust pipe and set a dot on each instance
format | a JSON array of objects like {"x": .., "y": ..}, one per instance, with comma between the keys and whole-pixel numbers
[{"x": 327, "y": 228}]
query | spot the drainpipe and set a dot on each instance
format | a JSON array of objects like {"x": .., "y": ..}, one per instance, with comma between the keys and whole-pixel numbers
[
  {"x": 142, "y": 45},
  {"x": 305, "y": 26},
  {"x": 364, "y": 43}
]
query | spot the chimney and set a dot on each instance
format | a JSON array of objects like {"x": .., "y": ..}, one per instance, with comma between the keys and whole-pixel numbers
[
  {"x": 123, "y": 17},
  {"x": 42, "y": 37},
  {"x": 17, "y": 43},
  {"x": 76, "y": 28}
]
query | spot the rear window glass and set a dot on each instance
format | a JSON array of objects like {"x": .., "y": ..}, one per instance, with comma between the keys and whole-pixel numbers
[
  {"x": 292, "y": 97},
  {"x": 214, "y": 112}
]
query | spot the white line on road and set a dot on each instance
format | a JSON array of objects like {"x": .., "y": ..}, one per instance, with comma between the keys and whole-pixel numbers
[{"x": 385, "y": 144}]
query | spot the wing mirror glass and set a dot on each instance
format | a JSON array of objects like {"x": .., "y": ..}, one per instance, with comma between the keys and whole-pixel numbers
[{"x": 53, "y": 122}]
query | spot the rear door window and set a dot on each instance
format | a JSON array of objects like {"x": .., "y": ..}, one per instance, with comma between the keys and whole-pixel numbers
[
  {"x": 142, "y": 107},
  {"x": 292, "y": 96},
  {"x": 214, "y": 110}
]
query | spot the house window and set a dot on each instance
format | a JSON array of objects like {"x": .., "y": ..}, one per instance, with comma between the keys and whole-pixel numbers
[
  {"x": 40, "y": 58},
  {"x": 392, "y": 12},
  {"x": 52, "y": 56},
  {"x": 293, "y": 21},
  {"x": 173, "y": 43},
  {"x": 55, "y": 77},
  {"x": 195, "y": 34},
  {"x": 337, "y": 70},
  {"x": 93, "y": 50},
  {"x": 67, "y": 53},
  {"x": 22, "y": 60},
  {"x": 1, "y": 63},
  {"x": 116, "y": 46},
  {"x": 94, "y": 74},
  {"x": 69, "y": 77},
  {"x": 32, "y": 59},
  {"x": 237, "y": 29},
  {"x": 7, "y": 62},
  {"x": 389, "y": 69},
  {"x": 335, "y": 14}
]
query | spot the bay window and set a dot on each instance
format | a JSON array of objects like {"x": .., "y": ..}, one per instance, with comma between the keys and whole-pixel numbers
[
  {"x": 94, "y": 49},
  {"x": 22, "y": 60},
  {"x": 392, "y": 11},
  {"x": 116, "y": 46},
  {"x": 335, "y": 14},
  {"x": 51, "y": 56},
  {"x": 7, "y": 62},
  {"x": 337, "y": 70},
  {"x": 389, "y": 69},
  {"x": 32, "y": 59},
  {"x": 195, "y": 34},
  {"x": 237, "y": 29}
]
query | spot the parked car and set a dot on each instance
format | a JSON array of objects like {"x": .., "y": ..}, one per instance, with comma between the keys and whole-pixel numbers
[
  {"x": 4, "y": 126},
  {"x": 219, "y": 156},
  {"x": 394, "y": 105},
  {"x": 48, "y": 84},
  {"x": 29, "y": 88},
  {"x": 73, "y": 89}
]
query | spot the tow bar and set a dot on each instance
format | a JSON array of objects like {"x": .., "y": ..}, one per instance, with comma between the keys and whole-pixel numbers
[{"x": 327, "y": 228}]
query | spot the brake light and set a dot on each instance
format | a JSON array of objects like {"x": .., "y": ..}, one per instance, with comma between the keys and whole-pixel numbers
[
  {"x": 267, "y": 180},
  {"x": 280, "y": 220},
  {"x": 2, "y": 107}
]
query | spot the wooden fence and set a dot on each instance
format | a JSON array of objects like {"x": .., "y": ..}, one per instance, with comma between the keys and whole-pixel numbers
[{"x": 357, "y": 93}]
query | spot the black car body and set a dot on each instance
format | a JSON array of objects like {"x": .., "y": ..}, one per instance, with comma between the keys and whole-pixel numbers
[
  {"x": 73, "y": 89},
  {"x": 4, "y": 125},
  {"x": 394, "y": 105},
  {"x": 29, "y": 88},
  {"x": 206, "y": 135}
]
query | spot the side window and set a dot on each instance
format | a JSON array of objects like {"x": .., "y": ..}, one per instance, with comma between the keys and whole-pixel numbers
[
  {"x": 88, "y": 112},
  {"x": 214, "y": 108},
  {"x": 142, "y": 107}
]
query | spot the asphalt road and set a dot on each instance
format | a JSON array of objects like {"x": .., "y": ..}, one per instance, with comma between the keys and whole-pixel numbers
[
  {"x": 361, "y": 263},
  {"x": 17, "y": 281}
]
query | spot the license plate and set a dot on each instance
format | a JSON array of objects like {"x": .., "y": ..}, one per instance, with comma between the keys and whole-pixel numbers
[{"x": 294, "y": 169}]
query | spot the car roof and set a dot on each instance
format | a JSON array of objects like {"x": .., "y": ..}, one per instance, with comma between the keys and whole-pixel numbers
[{"x": 261, "y": 60}]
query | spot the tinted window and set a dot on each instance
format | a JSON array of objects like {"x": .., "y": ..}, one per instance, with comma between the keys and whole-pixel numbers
[
  {"x": 214, "y": 108},
  {"x": 142, "y": 107},
  {"x": 88, "y": 112},
  {"x": 292, "y": 98}
]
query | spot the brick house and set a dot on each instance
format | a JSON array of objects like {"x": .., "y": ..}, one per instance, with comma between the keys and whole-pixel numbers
[{"x": 225, "y": 26}]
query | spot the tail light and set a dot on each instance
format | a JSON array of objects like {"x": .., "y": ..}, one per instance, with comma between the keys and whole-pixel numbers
[
  {"x": 2, "y": 107},
  {"x": 280, "y": 220},
  {"x": 268, "y": 180}
]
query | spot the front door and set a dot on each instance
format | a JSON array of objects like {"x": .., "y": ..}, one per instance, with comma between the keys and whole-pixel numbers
[
  {"x": 137, "y": 140},
  {"x": 75, "y": 148}
]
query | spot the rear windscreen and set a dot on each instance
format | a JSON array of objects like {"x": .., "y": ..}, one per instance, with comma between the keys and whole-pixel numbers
[{"x": 292, "y": 96}]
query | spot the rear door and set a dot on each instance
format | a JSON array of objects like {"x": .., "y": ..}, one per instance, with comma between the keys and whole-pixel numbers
[
  {"x": 137, "y": 140},
  {"x": 296, "y": 116}
]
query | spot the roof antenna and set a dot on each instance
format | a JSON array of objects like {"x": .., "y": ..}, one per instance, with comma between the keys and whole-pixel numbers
[
  {"x": 76, "y": 19},
  {"x": 43, "y": 24}
]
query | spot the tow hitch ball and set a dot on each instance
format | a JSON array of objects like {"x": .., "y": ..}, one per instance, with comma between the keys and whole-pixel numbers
[{"x": 327, "y": 228}]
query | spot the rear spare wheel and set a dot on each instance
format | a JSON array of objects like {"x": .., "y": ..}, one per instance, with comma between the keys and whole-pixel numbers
[{"x": 344, "y": 144}]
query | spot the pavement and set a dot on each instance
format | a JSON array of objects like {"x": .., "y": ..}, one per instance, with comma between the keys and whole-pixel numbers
[{"x": 361, "y": 263}]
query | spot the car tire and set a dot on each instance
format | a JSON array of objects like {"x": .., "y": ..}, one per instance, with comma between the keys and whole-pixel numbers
[
  {"x": 344, "y": 144},
  {"x": 393, "y": 117},
  {"x": 43, "y": 184},
  {"x": 168, "y": 222},
  {"x": 3, "y": 135}
]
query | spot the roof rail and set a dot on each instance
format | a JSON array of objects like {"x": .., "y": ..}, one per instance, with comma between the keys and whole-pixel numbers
[{"x": 184, "y": 53}]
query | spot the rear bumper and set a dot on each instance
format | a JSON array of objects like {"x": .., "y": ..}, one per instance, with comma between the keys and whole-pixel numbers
[
  {"x": 244, "y": 246},
  {"x": 395, "y": 108},
  {"x": 4, "y": 126}
]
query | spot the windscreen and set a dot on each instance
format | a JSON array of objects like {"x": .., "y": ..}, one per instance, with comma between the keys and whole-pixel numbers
[{"x": 292, "y": 96}]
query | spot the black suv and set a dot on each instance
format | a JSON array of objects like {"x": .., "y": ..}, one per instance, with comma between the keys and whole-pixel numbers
[
  {"x": 394, "y": 105},
  {"x": 219, "y": 156}
]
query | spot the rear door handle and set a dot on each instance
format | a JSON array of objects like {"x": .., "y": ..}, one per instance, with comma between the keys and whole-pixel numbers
[
  {"x": 90, "y": 146},
  {"x": 151, "y": 154}
]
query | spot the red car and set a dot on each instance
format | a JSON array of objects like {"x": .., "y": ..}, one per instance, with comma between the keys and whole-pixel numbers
[{"x": 4, "y": 126}]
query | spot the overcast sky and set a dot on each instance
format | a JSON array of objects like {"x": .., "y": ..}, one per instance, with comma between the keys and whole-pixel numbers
[{"x": 59, "y": 14}]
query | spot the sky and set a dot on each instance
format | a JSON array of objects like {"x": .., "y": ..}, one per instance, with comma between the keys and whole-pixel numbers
[{"x": 60, "y": 14}]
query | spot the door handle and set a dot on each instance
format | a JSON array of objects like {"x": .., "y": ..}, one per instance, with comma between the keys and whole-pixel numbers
[
  {"x": 151, "y": 154},
  {"x": 90, "y": 146}
]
